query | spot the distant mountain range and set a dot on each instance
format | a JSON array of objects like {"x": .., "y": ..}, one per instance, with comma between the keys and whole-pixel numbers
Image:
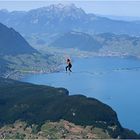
[
  {"x": 105, "y": 43},
  {"x": 66, "y": 26},
  {"x": 12, "y": 43},
  {"x": 124, "y": 18},
  {"x": 60, "y": 18}
]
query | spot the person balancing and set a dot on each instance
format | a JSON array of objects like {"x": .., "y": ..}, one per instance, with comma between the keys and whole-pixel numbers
[{"x": 69, "y": 65}]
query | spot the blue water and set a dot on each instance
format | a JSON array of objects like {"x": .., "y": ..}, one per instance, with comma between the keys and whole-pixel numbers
[{"x": 114, "y": 81}]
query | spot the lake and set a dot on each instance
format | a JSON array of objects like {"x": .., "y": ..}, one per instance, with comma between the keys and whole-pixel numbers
[{"x": 114, "y": 81}]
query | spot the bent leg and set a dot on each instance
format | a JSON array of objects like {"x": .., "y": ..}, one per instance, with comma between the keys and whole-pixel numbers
[
  {"x": 67, "y": 67},
  {"x": 70, "y": 69}
]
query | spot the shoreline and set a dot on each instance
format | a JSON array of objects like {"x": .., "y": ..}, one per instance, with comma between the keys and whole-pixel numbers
[{"x": 18, "y": 74}]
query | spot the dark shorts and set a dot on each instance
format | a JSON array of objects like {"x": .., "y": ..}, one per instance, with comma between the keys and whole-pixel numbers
[{"x": 70, "y": 65}]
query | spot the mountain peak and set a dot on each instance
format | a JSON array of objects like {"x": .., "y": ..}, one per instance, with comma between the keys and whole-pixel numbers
[
  {"x": 60, "y": 9},
  {"x": 61, "y": 6}
]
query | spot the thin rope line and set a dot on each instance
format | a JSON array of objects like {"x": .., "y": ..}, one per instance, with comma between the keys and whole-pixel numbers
[{"x": 103, "y": 72}]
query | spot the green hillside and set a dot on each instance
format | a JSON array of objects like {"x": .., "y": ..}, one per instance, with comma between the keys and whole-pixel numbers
[
  {"x": 12, "y": 43},
  {"x": 77, "y": 40},
  {"x": 17, "y": 57},
  {"x": 36, "y": 104}
]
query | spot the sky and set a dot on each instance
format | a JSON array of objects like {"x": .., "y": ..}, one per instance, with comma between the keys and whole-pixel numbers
[{"x": 101, "y": 7}]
